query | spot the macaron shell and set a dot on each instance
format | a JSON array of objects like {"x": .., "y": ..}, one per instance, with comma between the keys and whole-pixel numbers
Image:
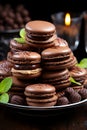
[
  {"x": 49, "y": 40},
  {"x": 15, "y": 46},
  {"x": 42, "y": 104},
  {"x": 40, "y": 27},
  {"x": 42, "y": 100},
  {"x": 60, "y": 64},
  {"x": 24, "y": 57},
  {"x": 40, "y": 88},
  {"x": 41, "y": 45},
  {"x": 55, "y": 52},
  {"x": 55, "y": 74},
  {"x": 59, "y": 79},
  {"x": 60, "y": 42},
  {"x": 77, "y": 72},
  {"x": 36, "y": 95}
]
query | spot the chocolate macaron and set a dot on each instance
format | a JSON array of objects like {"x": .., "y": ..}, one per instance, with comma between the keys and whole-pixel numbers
[
  {"x": 60, "y": 79},
  {"x": 40, "y": 34},
  {"x": 57, "y": 58},
  {"x": 26, "y": 64},
  {"x": 40, "y": 95},
  {"x": 5, "y": 69},
  {"x": 16, "y": 46},
  {"x": 79, "y": 74},
  {"x": 60, "y": 42},
  {"x": 18, "y": 86}
]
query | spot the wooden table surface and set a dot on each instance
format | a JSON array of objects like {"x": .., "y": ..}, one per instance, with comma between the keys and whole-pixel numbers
[{"x": 74, "y": 119}]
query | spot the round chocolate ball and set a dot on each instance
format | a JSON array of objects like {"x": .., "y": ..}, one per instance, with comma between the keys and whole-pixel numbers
[
  {"x": 72, "y": 95},
  {"x": 11, "y": 15},
  {"x": 25, "y": 12},
  {"x": 19, "y": 20},
  {"x": 83, "y": 93},
  {"x": 16, "y": 99},
  {"x": 15, "y": 26},
  {"x": 9, "y": 21},
  {"x": 27, "y": 19},
  {"x": 68, "y": 91},
  {"x": 62, "y": 101}
]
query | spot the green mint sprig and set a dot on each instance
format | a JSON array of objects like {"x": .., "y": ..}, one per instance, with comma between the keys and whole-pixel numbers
[
  {"x": 4, "y": 98},
  {"x": 5, "y": 85},
  {"x": 72, "y": 80},
  {"x": 82, "y": 63},
  {"x": 22, "y": 33},
  {"x": 21, "y": 39}
]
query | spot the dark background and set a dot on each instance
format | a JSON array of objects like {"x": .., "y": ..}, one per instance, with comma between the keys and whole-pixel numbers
[{"x": 42, "y": 9}]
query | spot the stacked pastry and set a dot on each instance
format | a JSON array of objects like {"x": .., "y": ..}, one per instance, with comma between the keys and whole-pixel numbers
[
  {"x": 42, "y": 68},
  {"x": 40, "y": 35},
  {"x": 26, "y": 68},
  {"x": 57, "y": 61},
  {"x": 41, "y": 95}
]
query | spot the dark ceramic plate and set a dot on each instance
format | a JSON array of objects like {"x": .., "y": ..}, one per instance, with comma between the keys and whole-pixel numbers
[
  {"x": 10, "y": 31},
  {"x": 41, "y": 111}
]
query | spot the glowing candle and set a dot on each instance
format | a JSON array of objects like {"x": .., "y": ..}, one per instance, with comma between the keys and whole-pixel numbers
[
  {"x": 68, "y": 27},
  {"x": 67, "y": 19}
]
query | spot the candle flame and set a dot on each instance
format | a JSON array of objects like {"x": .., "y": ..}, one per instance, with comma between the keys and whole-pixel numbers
[{"x": 67, "y": 19}]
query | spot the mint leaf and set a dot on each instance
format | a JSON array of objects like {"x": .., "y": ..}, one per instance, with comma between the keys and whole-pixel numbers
[
  {"x": 73, "y": 81},
  {"x": 5, "y": 84},
  {"x": 4, "y": 98},
  {"x": 20, "y": 40},
  {"x": 22, "y": 33},
  {"x": 82, "y": 63}
]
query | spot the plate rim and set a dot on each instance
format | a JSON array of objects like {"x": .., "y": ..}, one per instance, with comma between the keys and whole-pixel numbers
[{"x": 36, "y": 108}]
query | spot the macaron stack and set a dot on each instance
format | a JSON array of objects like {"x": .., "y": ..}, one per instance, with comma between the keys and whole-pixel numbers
[
  {"x": 40, "y": 34},
  {"x": 42, "y": 95},
  {"x": 26, "y": 68},
  {"x": 59, "y": 78},
  {"x": 56, "y": 62},
  {"x": 26, "y": 65},
  {"x": 42, "y": 68}
]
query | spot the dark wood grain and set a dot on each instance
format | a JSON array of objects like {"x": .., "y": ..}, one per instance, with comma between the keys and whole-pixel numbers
[{"x": 74, "y": 119}]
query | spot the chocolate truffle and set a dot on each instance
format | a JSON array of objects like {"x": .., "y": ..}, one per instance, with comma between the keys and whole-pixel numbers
[{"x": 62, "y": 101}]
